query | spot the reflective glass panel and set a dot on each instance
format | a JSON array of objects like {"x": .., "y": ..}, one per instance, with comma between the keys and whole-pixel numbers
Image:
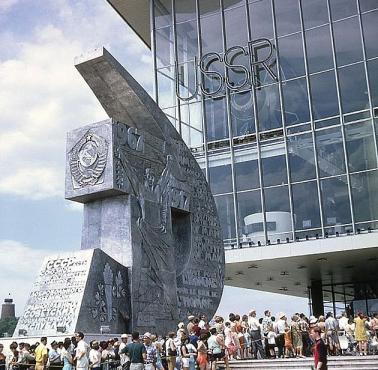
[
  {"x": 369, "y": 25},
  {"x": 226, "y": 213},
  {"x": 228, "y": 4},
  {"x": 250, "y": 217},
  {"x": 211, "y": 34},
  {"x": 163, "y": 13},
  {"x": 291, "y": 56},
  {"x": 335, "y": 201},
  {"x": 185, "y": 10},
  {"x": 296, "y": 103},
  {"x": 274, "y": 169},
  {"x": 360, "y": 146},
  {"x": 207, "y": 7},
  {"x": 343, "y": 8},
  {"x": 319, "y": 49},
  {"x": 236, "y": 27},
  {"x": 277, "y": 200},
  {"x": 185, "y": 134},
  {"x": 368, "y": 5},
  {"x": 347, "y": 41},
  {"x": 287, "y": 16},
  {"x": 166, "y": 87},
  {"x": 196, "y": 138},
  {"x": 301, "y": 157},
  {"x": 212, "y": 82},
  {"x": 315, "y": 12},
  {"x": 246, "y": 175},
  {"x": 277, "y": 213},
  {"x": 191, "y": 115},
  {"x": 353, "y": 89},
  {"x": 324, "y": 95},
  {"x": 242, "y": 115},
  {"x": 330, "y": 152},
  {"x": 187, "y": 43},
  {"x": 373, "y": 73},
  {"x": 220, "y": 178},
  {"x": 216, "y": 119},
  {"x": 306, "y": 205},
  {"x": 269, "y": 110},
  {"x": 259, "y": 10},
  {"x": 164, "y": 47},
  {"x": 365, "y": 195},
  {"x": 186, "y": 78}
]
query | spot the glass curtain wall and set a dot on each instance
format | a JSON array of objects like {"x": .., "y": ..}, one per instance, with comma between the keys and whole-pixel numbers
[{"x": 289, "y": 158}]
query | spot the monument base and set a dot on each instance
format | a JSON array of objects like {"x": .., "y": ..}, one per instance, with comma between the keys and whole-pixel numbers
[{"x": 84, "y": 291}]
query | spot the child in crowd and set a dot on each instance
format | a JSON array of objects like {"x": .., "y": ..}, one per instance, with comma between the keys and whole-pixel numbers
[
  {"x": 289, "y": 352},
  {"x": 271, "y": 337}
]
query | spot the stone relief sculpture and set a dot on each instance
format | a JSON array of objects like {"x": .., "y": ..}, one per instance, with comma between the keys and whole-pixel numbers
[
  {"x": 150, "y": 219},
  {"x": 87, "y": 160}
]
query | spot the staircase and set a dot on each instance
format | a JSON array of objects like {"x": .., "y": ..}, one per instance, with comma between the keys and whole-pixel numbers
[{"x": 340, "y": 362}]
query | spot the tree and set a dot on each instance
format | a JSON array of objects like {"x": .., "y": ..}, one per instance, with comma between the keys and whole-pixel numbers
[{"x": 8, "y": 326}]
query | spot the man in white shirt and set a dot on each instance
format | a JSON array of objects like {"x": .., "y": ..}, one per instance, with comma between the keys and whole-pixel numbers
[
  {"x": 82, "y": 351},
  {"x": 280, "y": 327},
  {"x": 343, "y": 321},
  {"x": 123, "y": 356},
  {"x": 255, "y": 331},
  {"x": 203, "y": 322},
  {"x": 95, "y": 356}
]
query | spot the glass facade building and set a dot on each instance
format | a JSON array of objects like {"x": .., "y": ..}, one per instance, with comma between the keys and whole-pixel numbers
[
  {"x": 278, "y": 101},
  {"x": 289, "y": 146}
]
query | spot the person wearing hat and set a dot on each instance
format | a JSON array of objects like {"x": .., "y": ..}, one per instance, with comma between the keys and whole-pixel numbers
[
  {"x": 280, "y": 328},
  {"x": 124, "y": 358},
  {"x": 54, "y": 357},
  {"x": 181, "y": 330},
  {"x": 190, "y": 325},
  {"x": 136, "y": 351},
  {"x": 151, "y": 355}
]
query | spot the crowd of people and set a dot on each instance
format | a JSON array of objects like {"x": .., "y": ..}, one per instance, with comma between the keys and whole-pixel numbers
[{"x": 199, "y": 344}]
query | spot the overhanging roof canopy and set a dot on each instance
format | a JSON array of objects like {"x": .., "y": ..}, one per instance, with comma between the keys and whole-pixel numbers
[{"x": 136, "y": 13}]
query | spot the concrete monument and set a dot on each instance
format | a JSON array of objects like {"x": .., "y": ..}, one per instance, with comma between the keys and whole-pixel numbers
[{"x": 147, "y": 204}]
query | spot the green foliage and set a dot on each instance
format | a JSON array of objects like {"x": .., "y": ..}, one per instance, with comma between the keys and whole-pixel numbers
[{"x": 8, "y": 326}]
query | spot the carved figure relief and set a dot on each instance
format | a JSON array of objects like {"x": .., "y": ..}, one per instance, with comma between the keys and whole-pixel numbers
[
  {"x": 87, "y": 160},
  {"x": 109, "y": 291}
]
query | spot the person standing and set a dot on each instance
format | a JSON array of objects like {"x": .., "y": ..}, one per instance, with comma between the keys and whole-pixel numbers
[
  {"x": 320, "y": 350},
  {"x": 136, "y": 351},
  {"x": 151, "y": 356},
  {"x": 266, "y": 323},
  {"x": 82, "y": 351},
  {"x": 202, "y": 352},
  {"x": 190, "y": 325},
  {"x": 54, "y": 357},
  {"x": 332, "y": 327},
  {"x": 280, "y": 328},
  {"x": 171, "y": 351},
  {"x": 41, "y": 356},
  {"x": 95, "y": 356},
  {"x": 255, "y": 331},
  {"x": 296, "y": 335},
  {"x": 124, "y": 359},
  {"x": 2, "y": 358},
  {"x": 66, "y": 355},
  {"x": 360, "y": 333}
]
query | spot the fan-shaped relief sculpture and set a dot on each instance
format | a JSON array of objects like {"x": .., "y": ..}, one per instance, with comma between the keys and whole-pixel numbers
[{"x": 147, "y": 206}]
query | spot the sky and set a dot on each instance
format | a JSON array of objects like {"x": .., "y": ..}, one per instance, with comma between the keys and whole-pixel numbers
[{"x": 42, "y": 97}]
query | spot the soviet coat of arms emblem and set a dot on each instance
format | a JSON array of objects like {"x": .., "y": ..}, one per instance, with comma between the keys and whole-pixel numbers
[{"x": 87, "y": 160}]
